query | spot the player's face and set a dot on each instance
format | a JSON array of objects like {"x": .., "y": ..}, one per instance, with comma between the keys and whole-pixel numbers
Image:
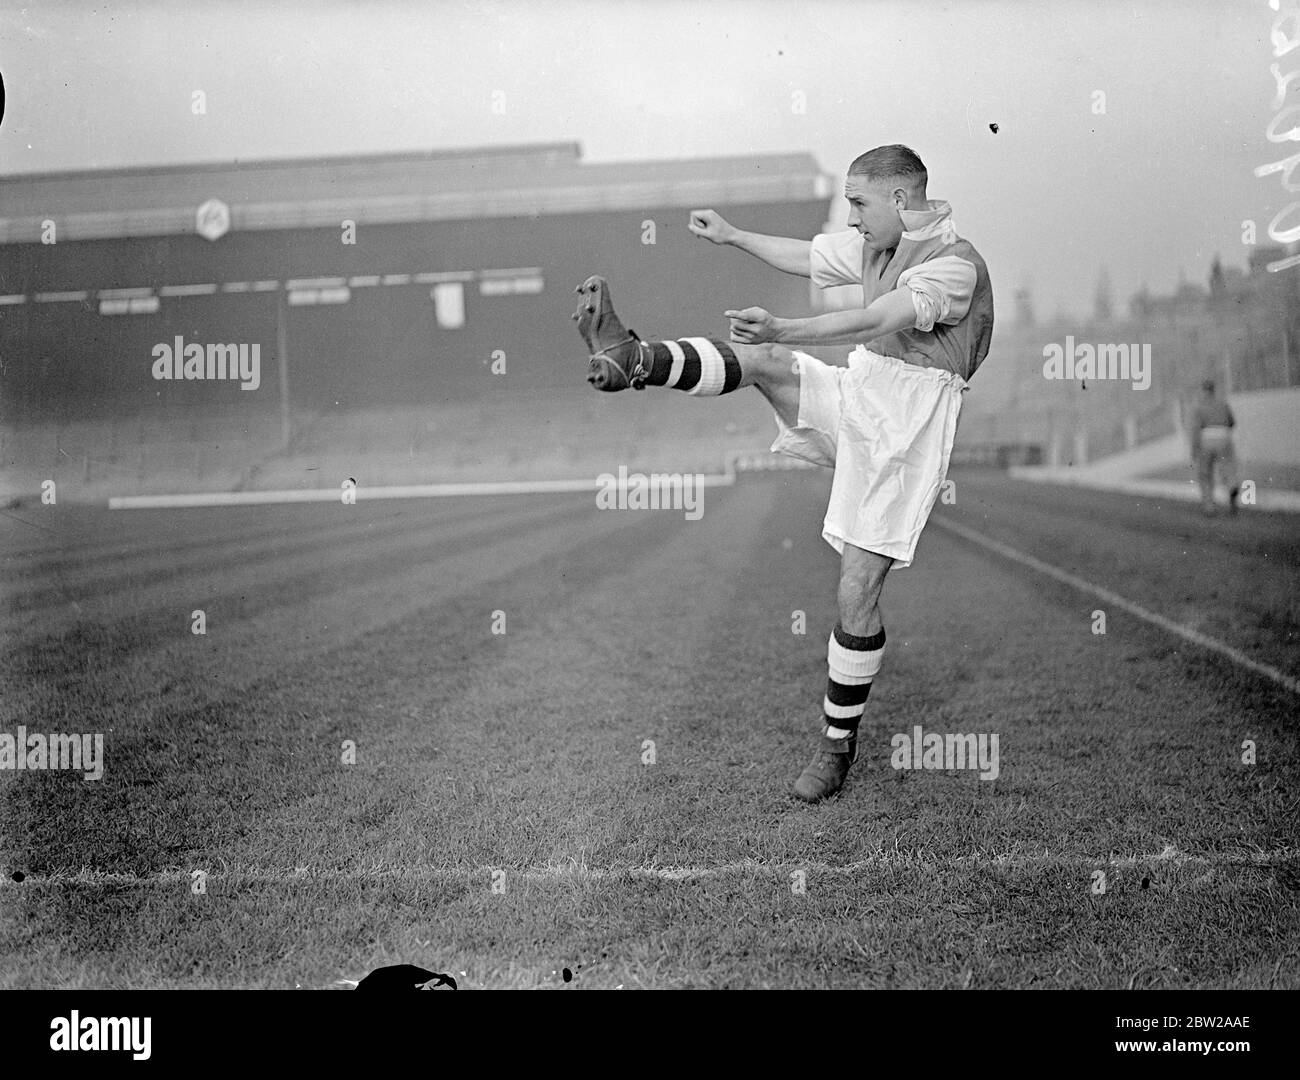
[{"x": 873, "y": 211}]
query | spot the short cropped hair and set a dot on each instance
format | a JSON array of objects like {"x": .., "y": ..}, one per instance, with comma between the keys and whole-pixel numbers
[{"x": 895, "y": 162}]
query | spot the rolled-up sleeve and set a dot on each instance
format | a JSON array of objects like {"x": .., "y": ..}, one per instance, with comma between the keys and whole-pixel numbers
[
  {"x": 941, "y": 290},
  {"x": 837, "y": 259}
]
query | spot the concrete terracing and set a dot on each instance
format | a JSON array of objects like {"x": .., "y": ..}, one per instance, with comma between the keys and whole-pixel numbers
[{"x": 1267, "y": 439}]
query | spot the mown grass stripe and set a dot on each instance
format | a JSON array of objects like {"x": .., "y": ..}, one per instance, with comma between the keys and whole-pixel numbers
[{"x": 1137, "y": 610}]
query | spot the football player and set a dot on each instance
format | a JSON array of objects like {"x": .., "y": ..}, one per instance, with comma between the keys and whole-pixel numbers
[{"x": 884, "y": 421}]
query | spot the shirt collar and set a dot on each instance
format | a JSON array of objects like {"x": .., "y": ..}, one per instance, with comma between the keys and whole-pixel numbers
[{"x": 923, "y": 224}]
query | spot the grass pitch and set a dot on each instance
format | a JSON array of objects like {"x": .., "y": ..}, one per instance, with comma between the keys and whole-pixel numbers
[{"x": 502, "y": 818}]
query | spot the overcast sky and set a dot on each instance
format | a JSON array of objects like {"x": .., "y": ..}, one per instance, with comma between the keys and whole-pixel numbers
[{"x": 1157, "y": 184}]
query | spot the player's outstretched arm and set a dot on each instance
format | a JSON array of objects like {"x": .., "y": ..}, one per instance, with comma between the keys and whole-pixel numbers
[
  {"x": 886, "y": 315},
  {"x": 783, "y": 252}
]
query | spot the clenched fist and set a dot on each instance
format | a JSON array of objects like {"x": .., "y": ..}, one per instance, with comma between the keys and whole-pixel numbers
[
  {"x": 712, "y": 226},
  {"x": 752, "y": 325}
]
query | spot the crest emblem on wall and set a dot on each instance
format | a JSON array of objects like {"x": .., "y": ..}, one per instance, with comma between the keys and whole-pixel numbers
[{"x": 212, "y": 219}]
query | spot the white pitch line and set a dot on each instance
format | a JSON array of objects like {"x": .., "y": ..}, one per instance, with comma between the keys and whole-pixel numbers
[
  {"x": 1114, "y": 599},
  {"x": 408, "y": 491},
  {"x": 1046, "y": 861},
  {"x": 316, "y": 495},
  {"x": 726, "y": 478}
]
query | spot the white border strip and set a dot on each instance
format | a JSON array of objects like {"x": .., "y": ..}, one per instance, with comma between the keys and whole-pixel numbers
[
  {"x": 125, "y": 294},
  {"x": 409, "y": 491},
  {"x": 437, "y": 277},
  {"x": 1177, "y": 629},
  {"x": 734, "y": 462},
  {"x": 513, "y": 272},
  {"x": 575, "y": 871},
  {"x": 205, "y": 289},
  {"x": 356, "y": 281},
  {"x": 315, "y": 283},
  {"x": 309, "y": 495}
]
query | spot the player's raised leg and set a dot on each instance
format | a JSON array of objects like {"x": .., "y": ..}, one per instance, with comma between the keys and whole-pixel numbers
[
  {"x": 853, "y": 658},
  {"x": 699, "y": 366}
]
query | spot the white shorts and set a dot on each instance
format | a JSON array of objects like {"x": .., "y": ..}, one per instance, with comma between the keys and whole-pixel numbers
[{"x": 886, "y": 427}]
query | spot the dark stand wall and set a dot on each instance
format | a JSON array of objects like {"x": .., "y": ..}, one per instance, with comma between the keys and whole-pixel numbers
[{"x": 64, "y": 361}]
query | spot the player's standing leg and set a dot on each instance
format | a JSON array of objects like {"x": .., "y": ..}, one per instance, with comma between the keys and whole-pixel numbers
[
  {"x": 853, "y": 658},
  {"x": 1231, "y": 476},
  {"x": 1205, "y": 478}
]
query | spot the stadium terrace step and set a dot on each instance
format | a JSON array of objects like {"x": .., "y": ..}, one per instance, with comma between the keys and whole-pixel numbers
[{"x": 1184, "y": 491}]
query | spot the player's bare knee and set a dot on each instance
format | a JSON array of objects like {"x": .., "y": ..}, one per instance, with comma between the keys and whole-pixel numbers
[
  {"x": 767, "y": 364},
  {"x": 754, "y": 355},
  {"x": 778, "y": 358}
]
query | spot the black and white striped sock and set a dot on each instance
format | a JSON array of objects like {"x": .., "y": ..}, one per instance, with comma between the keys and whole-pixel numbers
[
  {"x": 853, "y": 662},
  {"x": 700, "y": 366}
]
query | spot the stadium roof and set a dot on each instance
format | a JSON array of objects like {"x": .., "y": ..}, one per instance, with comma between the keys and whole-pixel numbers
[{"x": 510, "y": 181}]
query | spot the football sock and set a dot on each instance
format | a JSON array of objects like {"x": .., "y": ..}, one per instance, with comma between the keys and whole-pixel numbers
[
  {"x": 853, "y": 662},
  {"x": 701, "y": 366}
]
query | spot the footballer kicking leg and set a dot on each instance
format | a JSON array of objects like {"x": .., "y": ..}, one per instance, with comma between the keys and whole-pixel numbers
[
  {"x": 699, "y": 366},
  {"x": 704, "y": 366}
]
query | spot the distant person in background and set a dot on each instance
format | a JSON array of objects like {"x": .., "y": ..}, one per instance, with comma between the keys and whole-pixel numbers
[{"x": 1212, "y": 424}]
